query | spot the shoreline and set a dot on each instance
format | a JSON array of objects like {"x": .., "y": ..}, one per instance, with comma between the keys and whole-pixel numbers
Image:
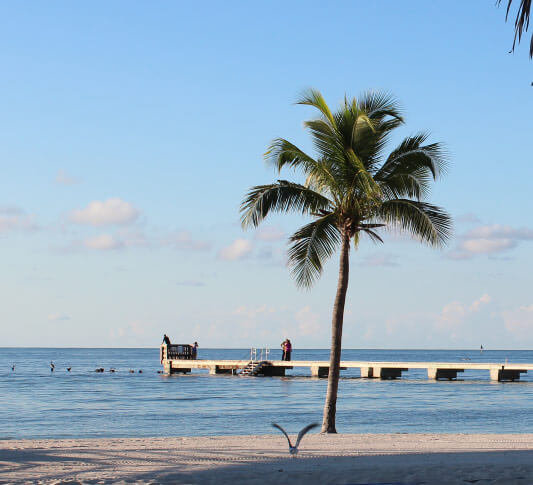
[{"x": 427, "y": 458}]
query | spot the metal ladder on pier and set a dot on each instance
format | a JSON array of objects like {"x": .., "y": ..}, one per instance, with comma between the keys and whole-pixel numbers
[
  {"x": 252, "y": 368},
  {"x": 255, "y": 365}
]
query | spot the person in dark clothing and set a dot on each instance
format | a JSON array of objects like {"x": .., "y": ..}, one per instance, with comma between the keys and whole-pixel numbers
[
  {"x": 195, "y": 350},
  {"x": 166, "y": 340},
  {"x": 288, "y": 349}
]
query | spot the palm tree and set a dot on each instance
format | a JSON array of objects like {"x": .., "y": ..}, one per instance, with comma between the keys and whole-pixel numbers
[
  {"x": 521, "y": 23},
  {"x": 350, "y": 189}
]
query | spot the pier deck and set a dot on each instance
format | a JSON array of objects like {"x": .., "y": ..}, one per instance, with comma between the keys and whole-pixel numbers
[{"x": 381, "y": 370}]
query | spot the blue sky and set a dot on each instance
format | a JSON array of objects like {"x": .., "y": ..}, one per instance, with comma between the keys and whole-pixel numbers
[{"x": 131, "y": 131}]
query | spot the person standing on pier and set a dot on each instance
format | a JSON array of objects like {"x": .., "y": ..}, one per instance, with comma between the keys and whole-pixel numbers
[
  {"x": 166, "y": 340},
  {"x": 283, "y": 344},
  {"x": 195, "y": 350},
  {"x": 288, "y": 350}
]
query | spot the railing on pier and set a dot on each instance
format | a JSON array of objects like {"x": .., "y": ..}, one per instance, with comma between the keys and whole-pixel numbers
[
  {"x": 263, "y": 354},
  {"x": 176, "y": 351}
]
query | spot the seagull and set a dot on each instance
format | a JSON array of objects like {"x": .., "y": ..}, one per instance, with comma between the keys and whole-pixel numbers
[
  {"x": 13, "y": 367},
  {"x": 293, "y": 450},
  {"x": 52, "y": 366}
]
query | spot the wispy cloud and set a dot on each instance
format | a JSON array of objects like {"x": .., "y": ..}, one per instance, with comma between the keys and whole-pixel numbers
[
  {"x": 489, "y": 240},
  {"x": 238, "y": 249},
  {"x": 519, "y": 320},
  {"x": 103, "y": 242},
  {"x": 183, "y": 240},
  {"x": 63, "y": 178},
  {"x": 192, "y": 283},
  {"x": 13, "y": 219},
  {"x": 468, "y": 218},
  {"x": 269, "y": 233},
  {"x": 58, "y": 317},
  {"x": 107, "y": 212},
  {"x": 380, "y": 259}
]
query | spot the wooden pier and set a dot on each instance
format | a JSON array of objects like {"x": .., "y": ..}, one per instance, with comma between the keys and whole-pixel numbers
[{"x": 379, "y": 370}]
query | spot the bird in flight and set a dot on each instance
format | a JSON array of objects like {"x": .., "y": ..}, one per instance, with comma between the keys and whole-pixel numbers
[{"x": 293, "y": 450}]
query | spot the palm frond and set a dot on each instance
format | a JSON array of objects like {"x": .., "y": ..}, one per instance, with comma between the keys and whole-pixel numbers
[
  {"x": 521, "y": 23},
  {"x": 325, "y": 139},
  {"x": 427, "y": 222},
  {"x": 283, "y": 153},
  {"x": 313, "y": 97},
  {"x": 411, "y": 156},
  {"x": 373, "y": 235},
  {"x": 311, "y": 246},
  {"x": 380, "y": 105},
  {"x": 282, "y": 196},
  {"x": 405, "y": 185}
]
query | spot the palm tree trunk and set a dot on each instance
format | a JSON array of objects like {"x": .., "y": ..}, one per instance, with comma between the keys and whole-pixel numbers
[{"x": 330, "y": 407}]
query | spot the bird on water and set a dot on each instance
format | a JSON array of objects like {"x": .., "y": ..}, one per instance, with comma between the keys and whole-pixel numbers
[
  {"x": 13, "y": 367},
  {"x": 293, "y": 450},
  {"x": 52, "y": 366}
]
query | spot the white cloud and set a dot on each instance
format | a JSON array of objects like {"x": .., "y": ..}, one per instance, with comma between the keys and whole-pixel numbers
[
  {"x": 103, "y": 242},
  {"x": 490, "y": 239},
  {"x": 63, "y": 178},
  {"x": 183, "y": 241},
  {"x": 13, "y": 219},
  {"x": 101, "y": 213},
  {"x": 477, "y": 304},
  {"x": 454, "y": 313},
  {"x": 58, "y": 317},
  {"x": 238, "y": 249},
  {"x": 499, "y": 231},
  {"x": 487, "y": 246}
]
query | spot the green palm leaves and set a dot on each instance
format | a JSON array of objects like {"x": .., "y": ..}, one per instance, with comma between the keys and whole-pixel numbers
[{"x": 351, "y": 187}]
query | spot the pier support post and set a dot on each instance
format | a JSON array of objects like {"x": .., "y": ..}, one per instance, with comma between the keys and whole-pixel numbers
[
  {"x": 388, "y": 372},
  {"x": 436, "y": 373},
  {"x": 506, "y": 374},
  {"x": 175, "y": 370},
  {"x": 273, "y": 371},
  {"x": 317, "y": 371},
  {"x": 367, "y": 372},
  {"x": 216, "y": 369}
]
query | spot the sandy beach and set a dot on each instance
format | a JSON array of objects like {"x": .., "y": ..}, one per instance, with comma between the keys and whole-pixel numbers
[{"x": 333, "y": 459}]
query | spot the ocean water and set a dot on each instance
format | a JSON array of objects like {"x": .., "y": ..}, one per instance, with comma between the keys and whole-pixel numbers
[{"x": 37, "y": 403}]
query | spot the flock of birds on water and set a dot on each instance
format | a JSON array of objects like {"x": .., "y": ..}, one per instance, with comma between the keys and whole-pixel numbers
[{"x": 98, "y": 369}]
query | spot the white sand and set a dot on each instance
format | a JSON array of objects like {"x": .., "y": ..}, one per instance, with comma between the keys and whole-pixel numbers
[{"x": 324, "y": 459}]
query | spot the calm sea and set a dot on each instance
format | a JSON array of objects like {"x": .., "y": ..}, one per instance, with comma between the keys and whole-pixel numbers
[{"x": 36, "y": 403}]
